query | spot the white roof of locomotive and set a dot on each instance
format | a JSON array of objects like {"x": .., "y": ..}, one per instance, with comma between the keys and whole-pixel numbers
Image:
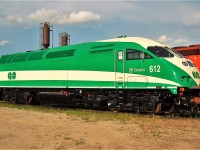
[{"x": 144, "y": 42}]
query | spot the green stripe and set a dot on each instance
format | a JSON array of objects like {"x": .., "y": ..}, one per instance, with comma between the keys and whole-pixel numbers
[{"x": 79, "y": 83}]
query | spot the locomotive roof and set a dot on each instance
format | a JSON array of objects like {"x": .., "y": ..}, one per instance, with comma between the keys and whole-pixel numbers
[
  {"x": 38, "y": 54},
  {"x": 144, "y": 42}
]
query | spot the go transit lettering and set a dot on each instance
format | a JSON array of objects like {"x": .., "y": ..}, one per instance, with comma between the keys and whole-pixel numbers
[
  {"x": 196, "y": 75},
  {"x": 131, "y": 70},
  {"x": 155, "y": 68},
  {"x": 11, "y": 75}
]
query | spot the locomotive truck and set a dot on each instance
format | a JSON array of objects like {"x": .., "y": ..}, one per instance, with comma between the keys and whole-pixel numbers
[{"x": 125, "y": 74}]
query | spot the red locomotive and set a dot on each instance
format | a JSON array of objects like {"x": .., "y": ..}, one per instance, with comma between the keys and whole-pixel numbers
[{"x": 191, "y": 52}]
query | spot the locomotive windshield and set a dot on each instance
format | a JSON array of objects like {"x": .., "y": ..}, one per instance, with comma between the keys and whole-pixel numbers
[
  {"x": 163, "y": 51},
  {"x": 174, "y": 52}
]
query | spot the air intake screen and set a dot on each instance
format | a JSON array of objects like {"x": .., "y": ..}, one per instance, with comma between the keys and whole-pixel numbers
[{"x": 58, "y": 54}]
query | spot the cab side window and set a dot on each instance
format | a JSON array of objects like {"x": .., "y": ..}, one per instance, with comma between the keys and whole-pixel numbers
[
  {"x": 132, "y": 54},
  {"x": 135, "y": 54}
]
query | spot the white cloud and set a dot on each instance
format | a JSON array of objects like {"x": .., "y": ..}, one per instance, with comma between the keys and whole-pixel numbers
[
  {"x": 180, "y": 41},
  {"x": 56, "y": 17},
  {"x": 44, "y": 14},
  {"x": 81, "y": 16},
  {"x": 14, "y": 19},
  {"x": 171, "y": 41},
  {"x": 164, "y": 39},
  {"x": 3, "y": 42},
  {"x": 192, "y": 19}
]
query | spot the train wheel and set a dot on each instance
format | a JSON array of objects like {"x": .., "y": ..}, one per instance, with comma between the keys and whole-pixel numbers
[
  {"x": 195, "y": 110},
  {"x": 112, "y": 105},
  {"x": 168, "y": 106},
  {"x": 5, "y": 97},
  {"x": 158, "y": 108},
  {"x": 29, "y": 100},
  {"x": 155, "y": 109},
  {"x": 184, "y": 111},
  {"x": 9, "y": 98}
]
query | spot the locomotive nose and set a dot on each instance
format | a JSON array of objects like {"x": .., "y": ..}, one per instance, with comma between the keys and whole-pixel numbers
[{"x": 196, "y": 76}]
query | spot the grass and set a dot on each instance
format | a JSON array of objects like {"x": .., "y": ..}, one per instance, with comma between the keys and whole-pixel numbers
[
  {"x": 144, "y": 121},
  {"x": 80, "y": 141},
  {"x": 87, "y": 115}
]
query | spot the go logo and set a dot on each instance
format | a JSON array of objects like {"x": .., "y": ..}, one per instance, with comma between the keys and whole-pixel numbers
[
  {"x": 196, "y": 75},
  {"x": 11, "y": 75}
]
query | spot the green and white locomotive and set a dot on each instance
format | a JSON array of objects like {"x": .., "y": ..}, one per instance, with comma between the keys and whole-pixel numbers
[{"x": 126, "y": 73}]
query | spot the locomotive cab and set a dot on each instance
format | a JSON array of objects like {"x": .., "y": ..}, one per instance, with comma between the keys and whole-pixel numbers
[
  {"x": 186, "y": 74},
  {"x": 152, "y": 69}
]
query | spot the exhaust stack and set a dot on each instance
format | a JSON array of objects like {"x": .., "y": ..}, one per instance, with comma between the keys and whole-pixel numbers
[
  {"x": 64, "y": 39},
  {"x": 45, "y": 35}
]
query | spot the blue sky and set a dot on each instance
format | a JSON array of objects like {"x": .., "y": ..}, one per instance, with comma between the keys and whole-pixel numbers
[{"x": 172, "y": 22}]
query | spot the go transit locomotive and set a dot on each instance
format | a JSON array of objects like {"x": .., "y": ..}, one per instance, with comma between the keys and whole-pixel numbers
[{"x": 126, "y": 73}]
